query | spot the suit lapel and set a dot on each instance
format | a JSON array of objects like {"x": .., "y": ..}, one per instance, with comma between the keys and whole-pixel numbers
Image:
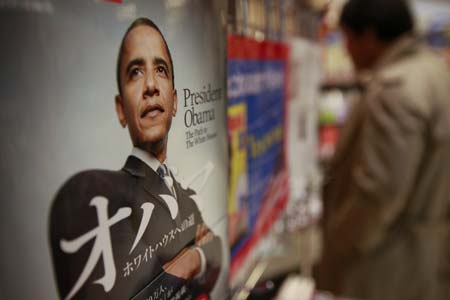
[
  {"x": 147, "y": 179},
  {"x": 178, "y": 195}
]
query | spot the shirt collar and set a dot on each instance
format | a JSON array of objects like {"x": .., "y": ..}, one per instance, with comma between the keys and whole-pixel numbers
[
  {"x": 404, "y": 45},
  {"x": 146, "y": 157}
]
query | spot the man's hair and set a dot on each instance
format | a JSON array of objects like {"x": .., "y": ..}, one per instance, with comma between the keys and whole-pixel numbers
[
  {"x": 388, "y": 18},
  {"x": 136, "y": 23}
]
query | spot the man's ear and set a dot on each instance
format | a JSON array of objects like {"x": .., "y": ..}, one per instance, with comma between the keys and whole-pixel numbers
[
  {"x": 175, "y": 103},
  {"x": 120, "y": 111}
]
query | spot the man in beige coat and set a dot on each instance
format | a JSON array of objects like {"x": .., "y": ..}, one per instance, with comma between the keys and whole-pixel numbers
[{"x": 387, "y": 197}]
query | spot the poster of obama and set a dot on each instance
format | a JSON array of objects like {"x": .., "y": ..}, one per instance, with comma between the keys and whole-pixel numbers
[{"x": 141, "y": 232}]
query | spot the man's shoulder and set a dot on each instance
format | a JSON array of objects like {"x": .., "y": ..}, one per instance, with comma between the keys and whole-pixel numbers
[
  {"x": 411, "y": 81},
  {"x": 96, "y": 177},
  {"x": 82, "y": 187},
  {"x": 418, "y": 66}
]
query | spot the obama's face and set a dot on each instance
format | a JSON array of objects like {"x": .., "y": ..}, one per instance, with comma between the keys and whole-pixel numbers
[{"x": 148, "y": 99}]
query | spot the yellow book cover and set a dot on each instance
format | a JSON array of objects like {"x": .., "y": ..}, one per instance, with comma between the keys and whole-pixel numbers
[{"x": 238, "y": 188}]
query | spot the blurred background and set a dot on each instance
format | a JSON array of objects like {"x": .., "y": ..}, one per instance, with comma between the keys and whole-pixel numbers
[
  {"x": 321, "y": 91},
  {"x": 290, "y": 89}
]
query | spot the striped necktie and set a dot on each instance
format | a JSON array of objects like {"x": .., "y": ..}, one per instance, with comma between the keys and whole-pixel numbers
[{"x": 163, "y": 172}]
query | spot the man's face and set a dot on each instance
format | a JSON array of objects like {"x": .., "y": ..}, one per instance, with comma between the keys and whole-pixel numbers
[{"x": 148, "y": 100}]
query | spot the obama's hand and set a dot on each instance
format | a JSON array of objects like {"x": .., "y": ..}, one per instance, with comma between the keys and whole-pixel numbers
[{"x": 185, "y": 265}]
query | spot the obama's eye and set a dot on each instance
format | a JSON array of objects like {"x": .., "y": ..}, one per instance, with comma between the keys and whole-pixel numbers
[
  {"x": 161, "y": 70},
  {"x": 135, "y": 72}
]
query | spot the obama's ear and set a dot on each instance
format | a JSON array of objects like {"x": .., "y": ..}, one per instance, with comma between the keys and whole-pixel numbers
[
  {"x": 120, "y": 111},
  {"x": 175, "y": 103}
]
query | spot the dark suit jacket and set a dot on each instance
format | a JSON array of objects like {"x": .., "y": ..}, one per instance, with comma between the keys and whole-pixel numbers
[{"x": 140, "y": 272}]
